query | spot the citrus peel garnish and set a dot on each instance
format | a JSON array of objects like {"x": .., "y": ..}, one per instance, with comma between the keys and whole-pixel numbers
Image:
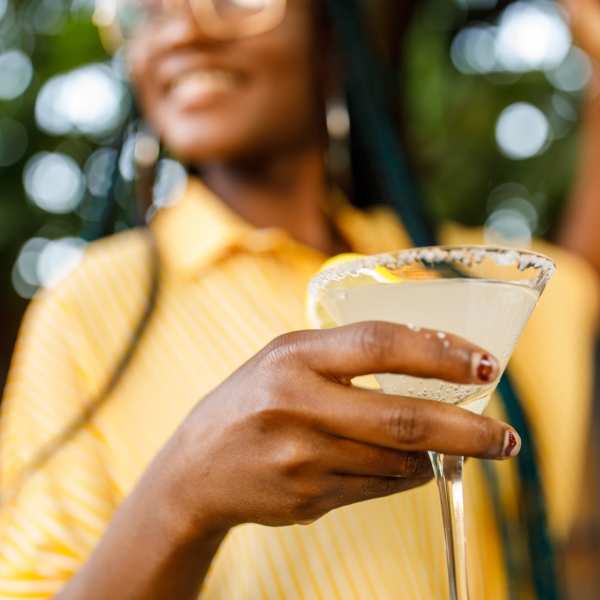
[{"x": 316, "y": 314}]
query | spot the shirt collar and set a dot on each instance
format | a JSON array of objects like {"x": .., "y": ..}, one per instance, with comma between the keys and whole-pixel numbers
[{"x": 198, "y": 229}]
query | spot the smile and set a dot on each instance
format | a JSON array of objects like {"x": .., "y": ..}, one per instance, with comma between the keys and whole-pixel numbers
[{"x": 202, "y": 86}]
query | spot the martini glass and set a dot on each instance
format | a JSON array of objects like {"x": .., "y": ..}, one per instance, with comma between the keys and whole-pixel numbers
[{"x": 483, "y": 294}]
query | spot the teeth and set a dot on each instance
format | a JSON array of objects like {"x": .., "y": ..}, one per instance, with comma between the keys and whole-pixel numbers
[{"x": 206, "y": 80}]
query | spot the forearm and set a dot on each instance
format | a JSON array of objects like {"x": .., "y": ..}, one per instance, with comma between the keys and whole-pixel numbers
[
  {"x": 582, "y": 219},
  {"x": 148, "y": 552}
]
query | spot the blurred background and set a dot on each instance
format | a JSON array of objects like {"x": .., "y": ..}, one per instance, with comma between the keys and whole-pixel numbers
[{"x": 491, "y": 96}]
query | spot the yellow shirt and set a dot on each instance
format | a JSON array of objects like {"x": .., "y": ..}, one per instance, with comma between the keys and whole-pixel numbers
[{"x": 226, "y": 290}]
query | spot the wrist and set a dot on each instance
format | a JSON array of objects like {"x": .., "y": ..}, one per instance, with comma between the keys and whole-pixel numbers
[{"x": 187, "y": 510}]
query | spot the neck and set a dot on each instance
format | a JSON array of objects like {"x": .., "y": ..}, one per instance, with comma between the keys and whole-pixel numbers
[{"x": 288, "y": 192}]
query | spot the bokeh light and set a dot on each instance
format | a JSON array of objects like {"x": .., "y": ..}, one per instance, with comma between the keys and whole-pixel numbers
[
  {"x": 54, "y": 182},
  {"x": 57, "y": 259},
  {"x": 513, "y": 218},
  {"x": 24, "y": 273},
  {"x": 511, "y": 40},
  {"x": 522, "y": 131},
  {"x": 574, "y": 73},
  {"x": 170, "y": 182},
  {"x": 89, "y": 100},
  {"x": 43, "y": 263},
  {"x": 46, "y": 16},
  {"x": 532, "y": 35},
  {"x": 127, "y": 158},
  {"x": 28, "y": 259},
  {"x": 508, "y": 227},
  {"x": 564, "y": 107},
  {"x": 474, "y": 49},
  {"x": 529, "y": 36},
  {"x": 83, "y": 6},
  {"x": 13, "y": 141},
  {"x": 16, "y": 72},
  {"x": 98, "y": 171}
]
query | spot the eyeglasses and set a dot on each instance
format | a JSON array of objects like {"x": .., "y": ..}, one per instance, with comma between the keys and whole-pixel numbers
[{"x": 221, "y": 19}]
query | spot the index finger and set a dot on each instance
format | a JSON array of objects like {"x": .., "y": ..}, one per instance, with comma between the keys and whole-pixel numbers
[{"x": 380, "y": 347}]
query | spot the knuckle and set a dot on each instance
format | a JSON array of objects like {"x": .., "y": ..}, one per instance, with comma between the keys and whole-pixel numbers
[
  {"x": 441, "y": 352},
  {"x": 294, "y": 459},
  {"x": 306, "y": 506},
  {"x": 379, "y": 486},
  {"x": 270, "y": 411},
  {"x": 452, "y": 355},
  {"x": 415, "y": 465},
  {"x": 491, "y": 437},
  {"x": 376, "y": 340},
  {"x": 280, "y": 349},
  {"x": 279, "y": 383},
  {"x": 407, "y": 425},
  {"x": 451, "y": 359}
]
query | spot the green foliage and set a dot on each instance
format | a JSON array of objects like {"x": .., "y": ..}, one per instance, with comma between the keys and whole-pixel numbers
[
  {"x": 75, "y": 42},
  {"x": 452, "y": 119}
]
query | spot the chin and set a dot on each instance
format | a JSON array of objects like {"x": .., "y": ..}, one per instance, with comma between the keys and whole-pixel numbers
[
  {"x": 194, "y": 141},
  {"x": 191, "y": 150},
  {"x": 205, "y": 141}
]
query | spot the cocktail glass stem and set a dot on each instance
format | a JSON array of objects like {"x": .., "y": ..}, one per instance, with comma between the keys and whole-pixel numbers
[{"x": 448, "y": 472}]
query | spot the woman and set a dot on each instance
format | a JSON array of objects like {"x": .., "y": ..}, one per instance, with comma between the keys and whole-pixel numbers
[{"x": 217, "y": 432}]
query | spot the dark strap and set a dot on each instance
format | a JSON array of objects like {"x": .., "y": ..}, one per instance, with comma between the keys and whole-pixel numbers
[
  {"x": 533, "y": 506},
  {"x": 89, "y": 410},
  {"x": 514, "y": 542}
]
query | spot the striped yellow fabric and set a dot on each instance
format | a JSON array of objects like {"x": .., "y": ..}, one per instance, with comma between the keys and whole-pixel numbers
[{"x": 226, "y": 290}]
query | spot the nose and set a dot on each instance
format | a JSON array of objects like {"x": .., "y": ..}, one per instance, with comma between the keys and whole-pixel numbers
[
  {"x": 183, "y": 28},
  {"x": 179, "y": 31},
  {"x": 180, "y": 28}
]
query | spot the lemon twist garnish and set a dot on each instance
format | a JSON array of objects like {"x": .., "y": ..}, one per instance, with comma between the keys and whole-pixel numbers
[{"x": 316, "y": 314}]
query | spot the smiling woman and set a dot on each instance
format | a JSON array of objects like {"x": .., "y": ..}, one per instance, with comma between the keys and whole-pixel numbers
[{"x": 168, "y": 421}]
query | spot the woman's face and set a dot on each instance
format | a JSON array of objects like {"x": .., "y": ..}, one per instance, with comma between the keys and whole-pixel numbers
[{"x": 227, "y": 100}]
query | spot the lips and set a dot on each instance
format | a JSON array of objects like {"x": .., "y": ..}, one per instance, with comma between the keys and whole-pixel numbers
[
  {"x": 193, "y": 80},
  {"x": 200, "y": 85}
]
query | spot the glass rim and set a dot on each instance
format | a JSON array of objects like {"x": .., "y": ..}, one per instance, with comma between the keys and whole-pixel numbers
[{"x": 466, "y": 254}]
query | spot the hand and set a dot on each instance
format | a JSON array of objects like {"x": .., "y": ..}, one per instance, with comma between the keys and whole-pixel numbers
[
  {"x": 585, "y": 23},
  {"x": 287, "y": 438}
]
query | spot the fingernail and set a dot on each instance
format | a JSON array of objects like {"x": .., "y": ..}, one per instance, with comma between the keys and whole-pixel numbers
[
  {"x": 512, "y": 444},
  {"x": 485, "y": 367}
]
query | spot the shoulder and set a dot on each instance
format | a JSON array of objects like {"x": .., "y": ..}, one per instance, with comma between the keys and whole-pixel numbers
[
  {"x": 89, "y": 316},
  {"x": 108, "y": 265},
  {"x": 120, "y": 259}
]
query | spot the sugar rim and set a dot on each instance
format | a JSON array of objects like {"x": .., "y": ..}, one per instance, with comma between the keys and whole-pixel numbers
[{"x": 467, "y": 255}]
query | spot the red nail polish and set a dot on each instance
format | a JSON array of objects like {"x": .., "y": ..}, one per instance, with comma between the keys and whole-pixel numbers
[
  {"x": 486, "y": 369},
  {"x": 510, "y": 444}
]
